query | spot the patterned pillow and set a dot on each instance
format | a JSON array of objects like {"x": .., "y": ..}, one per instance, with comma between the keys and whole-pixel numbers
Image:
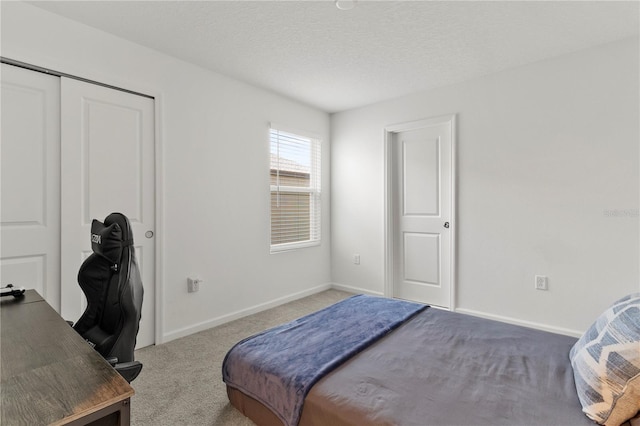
[{"x": 606, "y": 364}]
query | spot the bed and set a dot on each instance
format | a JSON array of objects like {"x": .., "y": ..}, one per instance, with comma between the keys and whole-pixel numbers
[{"x": 417, "y": 366}]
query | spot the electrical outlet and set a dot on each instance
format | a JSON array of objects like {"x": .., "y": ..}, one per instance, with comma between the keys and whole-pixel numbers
[
  {"x": 356, "y": 259},
  {"x": 542, "y": 282},
  {"x": 193, "y": 284}
]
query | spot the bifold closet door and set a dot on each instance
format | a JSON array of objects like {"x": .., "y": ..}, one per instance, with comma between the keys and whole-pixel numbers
[
  {"x": 107, "y": 159},
  {"x": 30, "y": 180}
]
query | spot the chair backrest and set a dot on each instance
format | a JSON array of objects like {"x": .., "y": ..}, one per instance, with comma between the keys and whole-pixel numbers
[{"x": 110, "y": 280}]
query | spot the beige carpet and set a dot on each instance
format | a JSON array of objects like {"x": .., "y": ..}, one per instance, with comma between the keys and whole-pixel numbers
[{"x": 181, "y": 382}]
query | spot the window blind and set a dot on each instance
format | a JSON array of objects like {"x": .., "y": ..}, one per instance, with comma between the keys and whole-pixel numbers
[{"x": 295, "y": 190}]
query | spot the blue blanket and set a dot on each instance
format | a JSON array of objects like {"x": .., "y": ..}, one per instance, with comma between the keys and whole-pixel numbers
[{"x": 279, "y": 366}]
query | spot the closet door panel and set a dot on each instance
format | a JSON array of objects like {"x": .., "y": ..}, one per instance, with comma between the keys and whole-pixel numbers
[
  {"x": 108, "y": 163},
  {"x": 30, "y": 182}
]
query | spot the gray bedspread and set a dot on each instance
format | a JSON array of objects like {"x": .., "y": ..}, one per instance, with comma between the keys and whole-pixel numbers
[
  {"x": 442, "y": 368},
  {"x": 278, "y": 366}
]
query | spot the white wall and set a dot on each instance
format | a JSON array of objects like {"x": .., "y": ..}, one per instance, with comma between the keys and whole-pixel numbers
[
  {"x": 214, "y": 183},
  {"x": 545, "y": 153}
]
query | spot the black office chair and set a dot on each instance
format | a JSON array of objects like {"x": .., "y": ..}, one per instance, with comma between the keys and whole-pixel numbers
[{"x": 110, "y": 280}]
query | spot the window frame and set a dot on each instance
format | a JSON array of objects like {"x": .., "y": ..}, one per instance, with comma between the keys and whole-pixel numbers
[{"x": 314, "y": 190}]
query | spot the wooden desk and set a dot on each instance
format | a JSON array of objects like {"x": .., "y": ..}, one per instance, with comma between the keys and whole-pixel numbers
[{"x": 50, "y": 375}]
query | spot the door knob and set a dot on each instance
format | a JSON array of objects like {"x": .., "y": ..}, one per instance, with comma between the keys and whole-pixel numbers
[
  {"x": 446, "y": 224},
  {"x": 148, "y": 234}
]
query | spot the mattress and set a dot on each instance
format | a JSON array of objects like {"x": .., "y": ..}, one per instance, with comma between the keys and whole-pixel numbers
[{"x": 444, "y": 368}]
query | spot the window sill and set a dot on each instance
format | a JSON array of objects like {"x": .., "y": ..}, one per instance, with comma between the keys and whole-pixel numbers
[{"x": 281, "y": 248}]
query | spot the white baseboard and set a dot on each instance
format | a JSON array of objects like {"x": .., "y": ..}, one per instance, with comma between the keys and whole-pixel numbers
[
  {"x": 205, "y": 325},
  {"x": 355, "y": 290},
  {"x": 349, "y": 289},
  {"x": 530, "y": 324}
]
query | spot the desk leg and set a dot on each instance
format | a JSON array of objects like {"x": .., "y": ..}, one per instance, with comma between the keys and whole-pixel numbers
[{"x": 125, "y": 413}]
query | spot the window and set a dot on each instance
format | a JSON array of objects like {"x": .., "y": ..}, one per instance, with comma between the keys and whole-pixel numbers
[{"x": 295, "y": 190}]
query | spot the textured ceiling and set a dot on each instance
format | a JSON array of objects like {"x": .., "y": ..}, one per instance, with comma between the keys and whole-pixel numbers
[{"x": 337, "y": 60}]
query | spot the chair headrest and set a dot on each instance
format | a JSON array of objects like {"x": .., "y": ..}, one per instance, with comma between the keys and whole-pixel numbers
[{"x": 106, "y": 240}]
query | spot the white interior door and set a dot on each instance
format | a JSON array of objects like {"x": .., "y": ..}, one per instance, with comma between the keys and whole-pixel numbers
[
  {"x": 422, "y": 213},
  {"x": 107, "y": 166},
  {"x": 30, "y": 182}
]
